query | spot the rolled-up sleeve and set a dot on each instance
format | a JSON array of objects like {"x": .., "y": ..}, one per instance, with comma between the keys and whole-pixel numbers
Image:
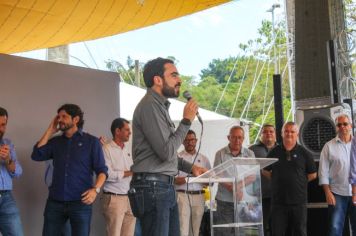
[
  {"x": 184, "y": 165},
  {"x": 352, "y": 178},
  {"x": 324, "y": 166},
  {"x": 18, "y": 168},
  {"x": 43, "y": 153},
  {"x": 98, "y": 159}
]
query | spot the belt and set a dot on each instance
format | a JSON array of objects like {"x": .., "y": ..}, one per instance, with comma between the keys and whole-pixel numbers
[
  {"x": 4, "y": 191},
  {"x": 116, "y": 194},
  {"x": 153, "y": 177},
  {"x": 191, "y": 192}
]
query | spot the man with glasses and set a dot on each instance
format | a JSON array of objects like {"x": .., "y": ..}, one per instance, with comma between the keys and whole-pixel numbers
[
  {"x": 224, "y": 195},
  {"x": 190, "y": 197},
  {"x": 155, "y": 143},
  {"x": 289, "y": 179},
  {"x": 334, "y": 169}
]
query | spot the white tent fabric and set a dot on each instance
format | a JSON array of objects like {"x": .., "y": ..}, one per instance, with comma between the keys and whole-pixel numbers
[{"x": 216, "y": 126}]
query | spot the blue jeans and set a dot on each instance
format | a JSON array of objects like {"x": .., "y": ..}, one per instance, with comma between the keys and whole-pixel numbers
[
  {"x": 138, "y": 231},
  {"x": 10, "y": 222},
  {"x": 66, "y": 230},
  {"x": 338, "y": 213},
  {"x": 57, "y": 213},
  {"x": 155, "y": 204}
]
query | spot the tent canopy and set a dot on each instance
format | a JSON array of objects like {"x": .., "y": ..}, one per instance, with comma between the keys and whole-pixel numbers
[{"x": 34, "y": 24}]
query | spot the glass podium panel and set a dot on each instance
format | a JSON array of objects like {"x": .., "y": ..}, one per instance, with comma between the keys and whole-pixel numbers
[{"x": 238, "y": 206}]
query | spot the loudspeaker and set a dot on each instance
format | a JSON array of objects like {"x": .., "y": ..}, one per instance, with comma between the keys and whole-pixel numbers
[{"x": 317, "y": 125}]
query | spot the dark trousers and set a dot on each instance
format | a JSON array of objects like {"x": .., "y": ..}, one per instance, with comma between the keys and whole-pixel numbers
[
  {"x": 266, "y": 206},
  {"x": 58, "y": 213},
  {"x": 292, "y": 217},
  {"x": 154, "y": 203}
]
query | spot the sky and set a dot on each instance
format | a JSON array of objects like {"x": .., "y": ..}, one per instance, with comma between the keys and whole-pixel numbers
[{"x": 194, "y": 40}]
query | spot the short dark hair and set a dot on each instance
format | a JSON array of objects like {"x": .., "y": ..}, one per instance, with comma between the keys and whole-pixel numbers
[
  {"x": 191, "y": 132},
  {"x": 268, "y": 126},
  {"x": 118, "y": 123},
  {"x": 154, "y": 68},
  {"x": 3, "y": 112},
  {"x": 290, "y": 123},
  {"x": 73, "y": 110}
]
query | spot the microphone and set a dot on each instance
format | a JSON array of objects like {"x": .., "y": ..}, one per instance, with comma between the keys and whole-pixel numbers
[{"x": 188, "y": 96}]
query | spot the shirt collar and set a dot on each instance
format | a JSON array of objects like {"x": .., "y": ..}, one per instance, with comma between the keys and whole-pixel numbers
[
  {"x": 79, "y": 132},
  {"x": 337, "y": 139},
  {"x": 228, "y": 151},
  {"x": 293, "y": 149},
  {"x": 161, "y": 99},
  {"x": 114, "y": 144},
  {"x": 259, "y": 143}
]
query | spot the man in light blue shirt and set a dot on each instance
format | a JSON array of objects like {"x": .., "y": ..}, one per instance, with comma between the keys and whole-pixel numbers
[
  {"x": 10, "y": 222},
  {"x": 334, "y": 169}
]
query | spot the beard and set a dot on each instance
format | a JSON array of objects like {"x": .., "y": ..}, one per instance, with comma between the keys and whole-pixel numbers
[
  {"x": 64, "y": 127},
  {"x": 1, "y": 135},
  {"x": 170, "y": 92}
]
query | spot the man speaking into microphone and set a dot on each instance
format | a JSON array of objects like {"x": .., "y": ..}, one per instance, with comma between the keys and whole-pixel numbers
[{"x": 155, "y": 144}]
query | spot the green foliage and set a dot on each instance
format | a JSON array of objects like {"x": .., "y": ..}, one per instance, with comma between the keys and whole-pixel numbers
[{"x": 239, "y": 86}]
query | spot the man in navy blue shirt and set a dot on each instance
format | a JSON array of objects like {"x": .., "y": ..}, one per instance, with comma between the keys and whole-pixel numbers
[
  {"x": 10, "y": 222},
  {"x": 76, "y": 156}
]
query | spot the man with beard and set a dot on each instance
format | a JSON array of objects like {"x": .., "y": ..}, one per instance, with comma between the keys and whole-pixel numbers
[
  {"x": 76, "y": 155},
  {"x": 155, "y": 143},
  {"x": 190, "y": 197},
  {"x": 10, "y": 222}
]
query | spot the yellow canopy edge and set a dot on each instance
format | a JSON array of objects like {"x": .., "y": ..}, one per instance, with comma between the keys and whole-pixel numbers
[{"x": 33, "y": 24}]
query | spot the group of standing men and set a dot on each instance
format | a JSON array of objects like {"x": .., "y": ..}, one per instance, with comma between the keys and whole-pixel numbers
[{"x": 144, "y": 185}]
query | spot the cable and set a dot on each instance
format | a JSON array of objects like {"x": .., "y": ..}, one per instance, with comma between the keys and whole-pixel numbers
[{"x": 188, "y": 177}]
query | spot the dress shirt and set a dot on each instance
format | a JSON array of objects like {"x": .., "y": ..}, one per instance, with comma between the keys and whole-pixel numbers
[
  {"x": 155, "y": 141},
  {"x": 201, "y": 161},
  {"x": 221, "y": 156},
  {"x": 5, "y": 175},
  {"x": 334, "y": 166},
  {"x": 353, "y": 162},
  {"x": 74, "y": 160},
  {"x": 118, "y": 160}
]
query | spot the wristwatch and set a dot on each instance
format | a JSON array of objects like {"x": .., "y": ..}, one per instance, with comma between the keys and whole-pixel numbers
[{"x": 97, "y": 190}]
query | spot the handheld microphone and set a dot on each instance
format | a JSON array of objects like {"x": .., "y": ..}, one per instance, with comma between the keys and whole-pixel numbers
[{"x": 188, "y": 96}]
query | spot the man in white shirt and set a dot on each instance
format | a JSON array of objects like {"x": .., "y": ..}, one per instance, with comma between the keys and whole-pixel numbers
[
  {"x": 190, "y": 197},
  {"x": 334, "y": 169},
  {"x": 116, "y": 206}
]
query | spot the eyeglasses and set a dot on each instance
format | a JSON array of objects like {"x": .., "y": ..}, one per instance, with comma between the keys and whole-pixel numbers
[
  {"x": 342, "y": 124},
  {"x": 190, "y": 140}
]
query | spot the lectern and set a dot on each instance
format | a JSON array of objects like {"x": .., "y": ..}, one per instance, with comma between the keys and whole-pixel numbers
[{"x": 244, "y": 175}]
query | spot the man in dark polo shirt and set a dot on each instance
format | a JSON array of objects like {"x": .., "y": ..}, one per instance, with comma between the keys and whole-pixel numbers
[
  {"x": 266, "y": 143},
  {"x": 290, "y": 176}
]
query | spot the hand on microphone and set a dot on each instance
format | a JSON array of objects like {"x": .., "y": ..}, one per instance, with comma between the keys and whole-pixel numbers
[
  {"x": 188, "y": 96},
  {"x": 190, "y": 110}
]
